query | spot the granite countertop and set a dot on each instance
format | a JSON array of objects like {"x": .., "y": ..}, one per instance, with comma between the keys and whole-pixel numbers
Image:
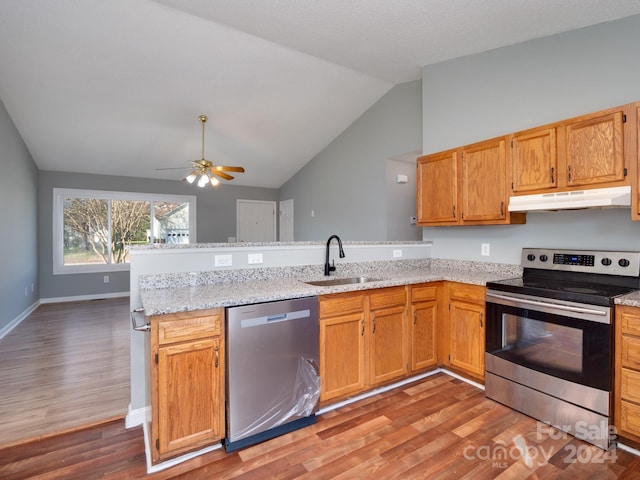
[
  {"x": 161, "y": 294},
  {"x": 631, "y": 299}
]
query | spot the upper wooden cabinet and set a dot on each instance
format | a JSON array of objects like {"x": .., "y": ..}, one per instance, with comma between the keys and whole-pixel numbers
[
  {"x": 593, "y": 150},
  {"x": 534, "y": 160},
  {"x": 484, "y": 182},
  {"x": 465, "y": 186},
  {"x": 437, "y": 192},
  {"x": 576, "y": 154},
  {"x": 471, "y": 185}
]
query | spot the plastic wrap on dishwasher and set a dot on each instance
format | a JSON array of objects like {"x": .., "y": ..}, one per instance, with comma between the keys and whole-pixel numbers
[{"x": 293, "y": 401}]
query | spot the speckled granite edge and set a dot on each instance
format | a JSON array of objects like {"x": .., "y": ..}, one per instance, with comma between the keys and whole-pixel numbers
[
  {"x": 631, "y": 299},
  {"x": 502, "y": 269},
  {"x": 193, "y": 279},
  {"x": 374, "y": 268}
]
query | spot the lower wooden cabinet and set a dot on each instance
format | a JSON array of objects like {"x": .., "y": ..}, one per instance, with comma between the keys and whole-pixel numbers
[
  {"x": 363, "y": 340},
  {"x": 466, "y": 324},
  {"x": 423, "y": 320},
  {"x": 626, "y": 403},
  {"x": 187, "y": 381}
]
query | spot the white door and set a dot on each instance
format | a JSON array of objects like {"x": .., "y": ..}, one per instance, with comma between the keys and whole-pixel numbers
[
  {"x": 286, "y": 221},
  {"x": 256, "y": 221}
]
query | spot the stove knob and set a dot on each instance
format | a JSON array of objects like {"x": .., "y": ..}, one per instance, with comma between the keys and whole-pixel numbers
[
  {"x": 531, "y": 257},
  {"x": 543, "y": 258},
  {"x": 606, "y": 261},
  {"x": 623, "y": 262}
]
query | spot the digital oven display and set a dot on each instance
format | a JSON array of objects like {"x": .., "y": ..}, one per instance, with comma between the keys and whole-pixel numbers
[{"x": 573, "y": 259}]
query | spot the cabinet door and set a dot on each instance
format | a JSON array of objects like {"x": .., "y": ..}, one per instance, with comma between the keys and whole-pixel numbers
[
  {"x": 484, "y": 185},
  {"x": 437, "y": 188},
  {"x": 423, "y": 335},
  {"x": 467, "y": 342},
  {"x": 534, "y": 160},
  {"x": 187, "y": 413},
  {"x": 594, "y": 150},
  {"x": 388, "y": 345},
  {"x": 342, "y": 344}
]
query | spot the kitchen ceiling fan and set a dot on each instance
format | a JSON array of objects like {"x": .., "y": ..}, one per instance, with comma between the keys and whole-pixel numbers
[{"x": 204, "y": 170}]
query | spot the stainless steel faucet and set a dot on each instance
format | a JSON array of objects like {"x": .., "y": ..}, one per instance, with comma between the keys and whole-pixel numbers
[{"x": 332, "y": 268}]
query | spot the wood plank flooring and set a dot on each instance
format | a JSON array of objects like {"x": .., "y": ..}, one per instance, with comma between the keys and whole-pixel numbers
[
  {"x": 436, "y": 428},
  {"x": 64, "y": 367}
]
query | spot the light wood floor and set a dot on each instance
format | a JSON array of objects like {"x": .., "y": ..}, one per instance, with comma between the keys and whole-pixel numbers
[
  {"x": 437, "y": 428},
  {"x": 65, "y": 366}
]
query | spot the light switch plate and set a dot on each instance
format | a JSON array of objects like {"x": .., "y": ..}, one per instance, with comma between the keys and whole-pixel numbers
[{"x": 485, "y": 249}]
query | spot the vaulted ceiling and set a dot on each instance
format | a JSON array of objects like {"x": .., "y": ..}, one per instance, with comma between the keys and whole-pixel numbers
[{"x": 116, "y": 87}]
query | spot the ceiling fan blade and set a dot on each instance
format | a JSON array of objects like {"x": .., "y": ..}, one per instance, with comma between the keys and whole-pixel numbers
[
  {"x": 221, "y": 174},
  {"x": 228, "y": 169}
]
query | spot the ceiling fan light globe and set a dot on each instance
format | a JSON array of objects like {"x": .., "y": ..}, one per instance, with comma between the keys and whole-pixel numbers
[
  {"x": 214, "y": 181},
  {"x": 203, "y": 181},
  {"x": 191, "y": 178}
]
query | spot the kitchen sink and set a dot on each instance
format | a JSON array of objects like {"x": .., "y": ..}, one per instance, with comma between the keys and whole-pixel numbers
[{"x": 331, "y": 282}]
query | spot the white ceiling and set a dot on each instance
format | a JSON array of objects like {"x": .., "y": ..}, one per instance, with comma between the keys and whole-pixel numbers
[{"x": 115, "y": 87}]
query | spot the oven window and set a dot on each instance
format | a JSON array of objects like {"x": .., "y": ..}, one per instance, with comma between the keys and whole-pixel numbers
[{"x": 557, "y": 347}]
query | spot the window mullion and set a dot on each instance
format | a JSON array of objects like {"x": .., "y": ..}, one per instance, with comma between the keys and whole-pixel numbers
[{"x": 110, "y": 232}]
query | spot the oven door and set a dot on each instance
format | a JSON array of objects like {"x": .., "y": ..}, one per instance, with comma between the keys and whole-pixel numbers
[{"x": 567, "y": 340}]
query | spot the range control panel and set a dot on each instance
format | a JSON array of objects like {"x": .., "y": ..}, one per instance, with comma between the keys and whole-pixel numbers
[{"x": 590, "y": 261}]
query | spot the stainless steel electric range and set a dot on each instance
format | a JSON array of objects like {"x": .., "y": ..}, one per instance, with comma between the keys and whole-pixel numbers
[{"x": 549, "y": 337}]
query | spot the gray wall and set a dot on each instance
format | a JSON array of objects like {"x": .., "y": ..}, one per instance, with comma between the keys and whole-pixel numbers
[
  {"x": 521, "y": 86},
  {"x": 18, "y": 210},
  {"x": 216, "y": 222},
  {"x": 401, "y": 199},
  {"x": 345, "y": 184}
]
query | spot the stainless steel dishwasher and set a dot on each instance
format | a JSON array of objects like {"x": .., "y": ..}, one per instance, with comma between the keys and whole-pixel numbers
[{"x": 273, "y": 384}]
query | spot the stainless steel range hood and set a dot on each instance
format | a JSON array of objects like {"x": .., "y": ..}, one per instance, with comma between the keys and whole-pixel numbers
[{"x": 575, "y": 199}]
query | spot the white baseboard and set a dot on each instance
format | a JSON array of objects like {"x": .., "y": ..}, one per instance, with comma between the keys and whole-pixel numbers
[
  {"x": 4, "y": 331},
  {"x": 136, "y": 417},
  {"x": 79, "y": 298}
]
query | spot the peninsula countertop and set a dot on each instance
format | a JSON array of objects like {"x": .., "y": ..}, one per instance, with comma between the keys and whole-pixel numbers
[{"x": 200, "y": 290}]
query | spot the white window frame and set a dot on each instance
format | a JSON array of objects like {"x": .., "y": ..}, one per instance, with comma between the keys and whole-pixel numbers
[{"x": 59, "y": 194}]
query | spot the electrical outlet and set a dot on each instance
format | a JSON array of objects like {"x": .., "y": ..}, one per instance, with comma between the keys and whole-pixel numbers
[
  {"x": 254, "y": 258},
  {"x": 223, "y": 260},
  {"x": 485, "y": 249},
  {"x": 397, "y": 253},
  {"x": 106, "y": 279}
]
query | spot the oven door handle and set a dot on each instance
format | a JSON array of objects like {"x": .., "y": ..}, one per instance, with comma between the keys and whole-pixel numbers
[{"x": 537, "y": 303}]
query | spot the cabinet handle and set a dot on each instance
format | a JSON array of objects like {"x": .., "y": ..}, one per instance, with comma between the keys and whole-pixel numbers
[
  {"x": 569, "y": 172},
  {"x": 454, "y": 211},
  {"x": 362, "y": 333},
  {"x": 374, "y": 324},
  {"x": 553, "y": 171},
  {"x": 502, "y": 209},
  {"x": 481, "y": 320},
  {"x": 415, "y": 317},
  {"x": 217, "y": 356}
]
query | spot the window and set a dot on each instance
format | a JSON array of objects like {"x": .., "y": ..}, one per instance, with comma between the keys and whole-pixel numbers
[{"x": 92, "y": 230}]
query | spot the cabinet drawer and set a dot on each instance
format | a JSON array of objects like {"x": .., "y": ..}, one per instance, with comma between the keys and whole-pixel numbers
[
  {"x": 629, "y": 418},
  {"x": 630, "y": 350},
  {"x": 423, "y": 293},
  {"x": 330, "y": 305},
  {"x": 178, "y": 327},
  {"x": 467, "y": 293},
  {"x": 629, "y": 318},
  {"x": 630, "y": 385},
  {"x": 387, "y": 297}
]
